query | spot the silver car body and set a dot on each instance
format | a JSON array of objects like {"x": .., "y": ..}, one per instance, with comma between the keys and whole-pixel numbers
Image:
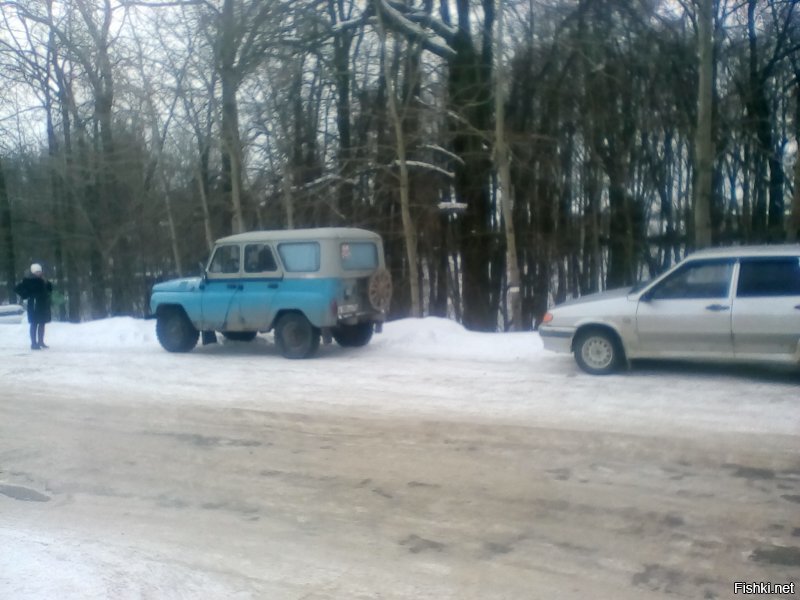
[
  {"x": 740, "y": 303},
  {"x": 11, "y": 314}
]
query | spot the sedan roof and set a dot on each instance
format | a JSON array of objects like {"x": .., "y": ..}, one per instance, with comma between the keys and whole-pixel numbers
[{"x": 748, "y": 251}]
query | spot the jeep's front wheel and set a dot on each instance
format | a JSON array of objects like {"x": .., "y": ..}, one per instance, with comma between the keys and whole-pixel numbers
[
  {"x": 175, "y": 331},
  {"x": 353, "y": 336},
  {"x": 295, "y": 336}
]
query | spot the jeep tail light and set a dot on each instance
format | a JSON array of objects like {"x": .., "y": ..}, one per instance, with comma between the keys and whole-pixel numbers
[{"x": 547, "y": 317}]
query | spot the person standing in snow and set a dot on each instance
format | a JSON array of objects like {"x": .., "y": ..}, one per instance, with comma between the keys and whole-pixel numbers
[{"x": 36, "y": 290}]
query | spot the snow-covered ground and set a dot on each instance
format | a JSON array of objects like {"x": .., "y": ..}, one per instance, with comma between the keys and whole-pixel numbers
[
  {"x": 429, "y": 368},
  {"x": 425, "y": 366}
]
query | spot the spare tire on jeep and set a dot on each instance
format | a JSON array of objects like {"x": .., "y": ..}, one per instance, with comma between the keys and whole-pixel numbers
[{"x": 379, "y": 289}]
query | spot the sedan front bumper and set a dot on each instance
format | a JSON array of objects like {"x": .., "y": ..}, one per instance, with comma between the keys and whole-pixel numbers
[{"x": 557, "y": 339}]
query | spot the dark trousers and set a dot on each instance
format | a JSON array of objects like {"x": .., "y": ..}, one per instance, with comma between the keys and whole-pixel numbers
[{"x": 37, "y": 333}]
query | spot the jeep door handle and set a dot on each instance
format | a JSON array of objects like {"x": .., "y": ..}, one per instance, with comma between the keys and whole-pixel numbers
[
  {"x": 274, "y": 286},
  {"x": 717, "y": 307},
  {"x": 235, "y": 286}
]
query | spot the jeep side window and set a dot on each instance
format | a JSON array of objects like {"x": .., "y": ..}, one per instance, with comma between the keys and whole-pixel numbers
[
  {"x": 697, "y": 280},
  {"x": 300, "y": 257},
  {"x": 258, "y": 258},
  {"x": 769, "y": 277},
  {"x": 358, "y": 256},
  {"x": 226, "y": 260}
]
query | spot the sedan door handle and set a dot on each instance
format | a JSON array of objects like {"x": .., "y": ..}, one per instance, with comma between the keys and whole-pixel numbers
[
  {"x": 274, "y": 286},
  {"x": 717, "y": 307},
  {"x": 797, "y": 307}
]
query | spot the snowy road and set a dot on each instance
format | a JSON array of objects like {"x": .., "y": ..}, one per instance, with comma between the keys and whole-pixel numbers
[{"x": 434, "y": 463}]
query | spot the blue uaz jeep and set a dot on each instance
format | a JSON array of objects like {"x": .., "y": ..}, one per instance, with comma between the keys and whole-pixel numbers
[{"x": 304, "y": 284}]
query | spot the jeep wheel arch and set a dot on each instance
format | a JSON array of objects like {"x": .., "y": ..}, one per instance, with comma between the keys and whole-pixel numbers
[{"x": 174, "y": 330}]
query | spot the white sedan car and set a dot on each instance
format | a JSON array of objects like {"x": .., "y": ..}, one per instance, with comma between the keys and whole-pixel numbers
[
  {"x": 739, "y": 303},
  {"x": 11, "y": 314}
]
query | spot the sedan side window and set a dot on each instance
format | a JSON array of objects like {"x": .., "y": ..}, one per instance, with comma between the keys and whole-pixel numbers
[
  {"x": 769, "y": 277},
  {"x": 697, "y": 280},
  {"x": 225, "y": 261}
]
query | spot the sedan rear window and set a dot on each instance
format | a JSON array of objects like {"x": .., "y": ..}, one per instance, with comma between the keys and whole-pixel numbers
[{"x": 769, "y": 277}]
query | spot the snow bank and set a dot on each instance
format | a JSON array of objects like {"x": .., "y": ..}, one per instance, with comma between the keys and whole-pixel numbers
[
  {"x": 430, "y": 337},
  {"x": 434, "y": 337},
  {"x": 118, "y": 332}
]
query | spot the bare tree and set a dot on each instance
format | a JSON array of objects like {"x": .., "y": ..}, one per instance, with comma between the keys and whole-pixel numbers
[
  {"x": 6, "y": 239},
  {"x": 409, "y": 233},
  {"x": 704, "y": 143},
  {"x": 501, "y": 158}
]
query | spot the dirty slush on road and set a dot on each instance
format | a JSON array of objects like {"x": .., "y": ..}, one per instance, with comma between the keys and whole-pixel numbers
[{"x": 410, "y": 507}]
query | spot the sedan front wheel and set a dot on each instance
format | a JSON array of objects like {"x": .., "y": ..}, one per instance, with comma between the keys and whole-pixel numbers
[{"x": 597, "y": 352}]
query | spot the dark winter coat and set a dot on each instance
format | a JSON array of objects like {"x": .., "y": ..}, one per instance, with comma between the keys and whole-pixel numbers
[{"x": 36, "y": 290}]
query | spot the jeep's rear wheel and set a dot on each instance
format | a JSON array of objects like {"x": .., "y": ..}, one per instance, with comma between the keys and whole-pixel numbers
[
  {"x": 295, "y": 336},
  {"x": 174, "y": 330},
  {"x": 239, "y": 336},
  {"x": 353, "y": 336}
]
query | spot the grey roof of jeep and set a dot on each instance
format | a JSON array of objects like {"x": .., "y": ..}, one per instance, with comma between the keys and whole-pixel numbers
[{"x": 284, "y": 235}]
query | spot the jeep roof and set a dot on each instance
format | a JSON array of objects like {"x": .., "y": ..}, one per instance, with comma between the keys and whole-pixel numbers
[{"x": 284, "y": 235}]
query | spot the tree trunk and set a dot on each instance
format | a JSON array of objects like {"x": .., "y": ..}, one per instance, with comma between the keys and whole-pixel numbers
[
  {"x": 7, "y": 257},
  {"x": 409, "y": 233},
  {"x": 501, "y": 157},
  {"x": 341, "y": 63},
  {"x": 231, "y": 142},
  {"x": 704, "y": 144},
  {"x": 793, "y": 231},
  {"x": 73, "y": 287},
  {"x": 469, "y": 97}
]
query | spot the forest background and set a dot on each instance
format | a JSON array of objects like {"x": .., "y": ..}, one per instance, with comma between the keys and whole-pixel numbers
[{"x": 512, "y": 153}]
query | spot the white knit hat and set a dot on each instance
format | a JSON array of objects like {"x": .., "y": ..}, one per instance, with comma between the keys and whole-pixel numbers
[{"x": 36, "y": 268}]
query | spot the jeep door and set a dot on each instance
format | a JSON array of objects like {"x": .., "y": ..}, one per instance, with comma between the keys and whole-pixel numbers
[
  {"x": 766, "y": 309},
  {"x": 221, "y": 287},
  {"x": 688, "y": 314},
  {"x": 260, "y": 282}
]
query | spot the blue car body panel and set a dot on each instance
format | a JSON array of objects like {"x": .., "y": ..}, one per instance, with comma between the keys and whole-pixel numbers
[{"x": 236, "y": 304}]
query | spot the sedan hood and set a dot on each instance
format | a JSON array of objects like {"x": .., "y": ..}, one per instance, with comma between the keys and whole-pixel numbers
[
  {"x": 606, "y": 295},
  {"x": 186, "y": 284}
]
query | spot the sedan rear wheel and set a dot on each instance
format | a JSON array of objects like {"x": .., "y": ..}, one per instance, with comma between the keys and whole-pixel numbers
[{"x": 597, "y": 352}]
